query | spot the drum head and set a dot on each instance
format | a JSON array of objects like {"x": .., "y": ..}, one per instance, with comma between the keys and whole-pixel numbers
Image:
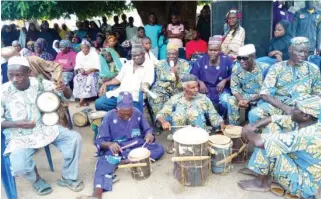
[
  {"x": 191, "y": 136},
  {"x": 48, "y": 102},
  {"x": 220, "y": 141},
  {"x": 50, "y": 119},
  {"x": 138, "y": 154},
  {"x": 233, "y": 131},
  {"x": 96, "y": 115}
]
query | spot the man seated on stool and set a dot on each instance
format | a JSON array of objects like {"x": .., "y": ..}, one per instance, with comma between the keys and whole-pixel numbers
[
  {"x": 246, "y": 81},
  {"x": 134, "y": 76},
  {"x": 121, "y": 127},
  {"x": 25, "y": 132},
  {"x": 288, "y": 149},
  {"x": 189, "y": 108}
]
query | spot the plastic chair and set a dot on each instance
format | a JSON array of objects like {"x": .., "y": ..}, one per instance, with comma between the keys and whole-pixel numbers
[{"x": 7, "y": 179}]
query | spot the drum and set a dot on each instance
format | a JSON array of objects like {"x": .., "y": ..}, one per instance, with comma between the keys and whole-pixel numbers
[
  {"x": 140, "y": 156},
  {"x": 95, "y": 119},
  {"x": 191, "y": 161},
  {"x": 234, "y": 132},
  {"x": 221, "y": 148},
  {"x": 48, "y": 102},
  {"x": 80, "y": 119},
  {"x": 50, "y": 119}
]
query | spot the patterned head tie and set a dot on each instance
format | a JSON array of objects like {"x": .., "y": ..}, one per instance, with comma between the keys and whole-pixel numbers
[
  {"x": 125, "y": 100},
  {"x": 65, "y": 44},
  {"x": 299, "y": 40},
  {"x": 310, "y": 105}
]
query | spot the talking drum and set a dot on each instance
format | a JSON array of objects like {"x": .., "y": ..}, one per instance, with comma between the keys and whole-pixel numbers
[
  {"x": 140, "y": 168},
  {"x": 50, "y": 119},
  {"x": 234, "y": 132},
  {"x": 48, "y": 102},
  {"x": 220, "y": 148},
  {"x": 80, "y": 119},
  {"x": 191, "y": 161}
]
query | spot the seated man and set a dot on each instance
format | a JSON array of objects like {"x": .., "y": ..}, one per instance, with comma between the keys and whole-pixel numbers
[
  {"x": 247, "y": 78},
  {"x": 25, "y": 132},
  {"x": 286, "y": 81},
  {"x": 289, "y": 150},
  {"x": 121, "y": 127},
  {"x": 214, "y": 73},
  {"x": 189, "y": 108},
  {"x": 133, "y": 76},
  {"x": 168, "y": 78}
]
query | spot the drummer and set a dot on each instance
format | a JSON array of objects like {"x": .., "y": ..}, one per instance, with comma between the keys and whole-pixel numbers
[
  {"x": 120, "y": 127},
  {"x": 189, "y": 108},
  {"x": 288, "y": 150},
  {"x": 25, "y": 133},
  {"x": 214, "y": 73},
  {"x": 246, "y": 81}
]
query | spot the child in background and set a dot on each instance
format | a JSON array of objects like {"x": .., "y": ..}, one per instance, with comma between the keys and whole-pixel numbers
[{"x": 149, "y": 55}]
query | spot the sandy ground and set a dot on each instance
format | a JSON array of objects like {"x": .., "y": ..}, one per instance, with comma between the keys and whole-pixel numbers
[{"x": 161, "y": 184}]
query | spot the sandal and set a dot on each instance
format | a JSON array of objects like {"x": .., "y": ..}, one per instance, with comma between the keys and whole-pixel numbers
[
  {"x": 73, "y": 185},
  {"x": 290, "y": 196},
  {"x": 277, "y": 189},
  {"x": 41, "y": 187}
]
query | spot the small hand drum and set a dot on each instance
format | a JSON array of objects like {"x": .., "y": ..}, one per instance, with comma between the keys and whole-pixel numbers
[
  {"x": 48, "y": 102},
  {"x": 234, "y": 132},
  {"x": 140, "y": 155},
  {"x": 50, "y": 119}
]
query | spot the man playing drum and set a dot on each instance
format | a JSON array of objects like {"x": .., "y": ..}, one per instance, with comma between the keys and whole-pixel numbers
[
  {"x": 122, "y": 130},
  {"x": 289, "y": 150},
  {"x": 25, "y": 132},
  {"x": 189, "y": 108}
]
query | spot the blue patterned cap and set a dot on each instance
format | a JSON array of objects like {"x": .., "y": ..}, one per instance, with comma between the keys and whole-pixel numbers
[
  {"x": 299, "y": 40},
  {"x": 125, "y": 100},
  {"x": 310, "y": 105}
]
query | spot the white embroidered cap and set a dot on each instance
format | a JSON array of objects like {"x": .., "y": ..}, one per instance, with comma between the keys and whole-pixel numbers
[
  {"x": 246, "y": 50},
  {"x": 18, "y": 60}
]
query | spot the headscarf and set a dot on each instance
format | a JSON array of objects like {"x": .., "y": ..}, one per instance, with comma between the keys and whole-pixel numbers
[
  {"x": 310, "y": 105},
  {"x": 282, "y": 43},
  {"x": 15, "y": 42},
  {"x": 54, "y": 46},
  {"x": 125, "y": 100},
  {"x": 40, "y": 44},
  {"x": 104, "y": 66},
  {"x": 65, "y": 44},
  {"x": 227, "y": 27},
  {"x": 30, "y": 43},
  {"x": 85, "y": 42},
  {"x": 43, "y": 42},
  {"x": 216, "y": 40}
]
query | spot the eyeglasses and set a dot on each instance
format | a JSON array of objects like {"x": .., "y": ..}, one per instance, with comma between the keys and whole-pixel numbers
[{"x": 239, "y": 58}]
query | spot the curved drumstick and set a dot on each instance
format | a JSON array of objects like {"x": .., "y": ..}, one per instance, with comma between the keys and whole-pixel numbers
[
  {"x": 232, "y": 156},
  {"x": 129, "y": 145}
]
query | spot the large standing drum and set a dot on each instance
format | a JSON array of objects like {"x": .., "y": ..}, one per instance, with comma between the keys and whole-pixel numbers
[
  {"x": 221, "y": 149},
  {"x": 48, "y": 102},
  {"x": 141, "y": 169},
  {"x": 80, "y": 119},
  {"x": 191, "y": 161},
  {"x": 239, "y": 146}
]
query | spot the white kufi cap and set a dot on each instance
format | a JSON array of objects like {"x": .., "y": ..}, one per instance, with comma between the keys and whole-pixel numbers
[
  {"x": 18, "y": 60},
  {"x": 246, "y": 50}
]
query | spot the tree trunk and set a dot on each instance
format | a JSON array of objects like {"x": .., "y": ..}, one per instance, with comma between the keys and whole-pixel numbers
[{"x": 163, "y": 10}]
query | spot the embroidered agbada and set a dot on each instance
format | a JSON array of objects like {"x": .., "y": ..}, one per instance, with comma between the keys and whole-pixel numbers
[
  {"x": 287, "y": 83},
  {"x": 292, "y": 156},
  {"x": 166, "y": 84}
]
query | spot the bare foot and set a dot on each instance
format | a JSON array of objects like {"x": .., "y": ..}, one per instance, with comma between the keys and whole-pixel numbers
[
  {"x": 247, "y": 171},
  {"x": 254, "y": 185}
]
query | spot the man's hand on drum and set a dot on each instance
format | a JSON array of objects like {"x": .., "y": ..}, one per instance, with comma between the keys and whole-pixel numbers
[
  {"x": 149, "y": 138},
  {"x": 60, "y": 86},
  {"x": 114, "y": 147},
  {"x": 222, "y": 125},
  {"x": 203, "y": 88},
  {"x": 166, "y": 126}
]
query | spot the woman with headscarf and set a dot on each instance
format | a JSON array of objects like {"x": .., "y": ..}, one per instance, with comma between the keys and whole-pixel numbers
[
  {"x": 76, "y": 46},
  {"x": 87, "y": 68},
  {"x": 41, "y": 50},
  {"x": 67, "y": 58},
  {"x": 234, "y": 34},
  {"x": 99, "y": 43},
  {"x": 110, "y": 65},
  {"x": 33, "y": 33},
  {"x": 279, "y": 45},
  {"x": 111, "y": 42},
  {"x": 55, "y": 46}
]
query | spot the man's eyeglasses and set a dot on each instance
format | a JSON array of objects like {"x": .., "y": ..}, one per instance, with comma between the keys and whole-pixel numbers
[{"x": 239, "y": 58}]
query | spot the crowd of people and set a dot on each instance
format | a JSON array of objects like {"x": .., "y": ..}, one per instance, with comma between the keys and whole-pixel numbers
[{"x": 206, "y": 88}]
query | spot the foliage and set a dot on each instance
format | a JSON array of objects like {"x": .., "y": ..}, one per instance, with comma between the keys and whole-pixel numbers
[{"x": 12, "y": 10}]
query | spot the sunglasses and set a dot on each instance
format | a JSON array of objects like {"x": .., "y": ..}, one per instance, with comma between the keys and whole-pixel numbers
[{"x": 239, "y": 58}]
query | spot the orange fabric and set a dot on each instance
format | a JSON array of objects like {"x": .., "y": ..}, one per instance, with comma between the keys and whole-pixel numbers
[{"x": 195, "y": 46}]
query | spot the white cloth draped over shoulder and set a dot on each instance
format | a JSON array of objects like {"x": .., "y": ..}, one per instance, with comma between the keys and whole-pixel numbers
[{"x": 89, "y": 61}]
